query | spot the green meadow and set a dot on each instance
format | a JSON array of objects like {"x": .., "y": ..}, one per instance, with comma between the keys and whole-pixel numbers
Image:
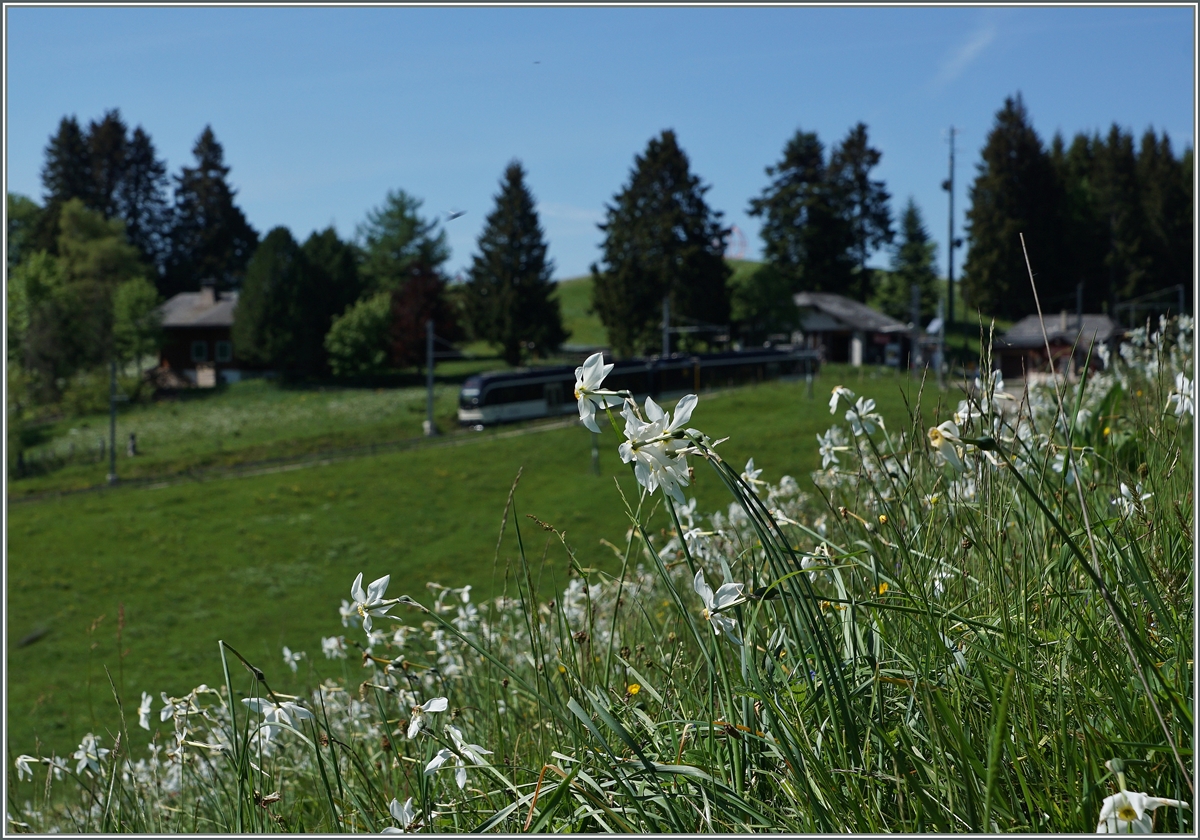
[{"x": 264, "y": 561}]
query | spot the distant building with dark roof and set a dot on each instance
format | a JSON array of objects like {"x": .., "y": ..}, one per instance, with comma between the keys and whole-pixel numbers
[
  {"x": 848, "y": 331},
  {"x": 1022, "y": 350},
  {"x": 197, "y": 340}
]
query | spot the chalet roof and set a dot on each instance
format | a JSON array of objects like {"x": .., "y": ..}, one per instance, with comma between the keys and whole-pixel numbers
[
  {"x": 199, "y": 309},
  {"x": 1026, "y": 334},
  {"x": 833, "y": 312}
]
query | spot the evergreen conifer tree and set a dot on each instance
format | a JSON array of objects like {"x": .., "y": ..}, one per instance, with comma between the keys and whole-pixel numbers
[
  {"x": 141, "y": 199},
  {"x": 863, "y": 202},
  {"x": 270, "y": 327},
  {"x": 66, "y": 174},
  {"x": 1084, "y": 242},
  {"x": 1167, "y": 209},
  {"x": 210, "y": 237},
  {"x": 393, "y": 238},
  {"x": 1121, "y": 216},
  {"x": 1015, "y": 192},
  {"x": 107, "y": 142},
  {"x": 806, "y": 235},
  {"x": 509, "y": 293},
  {"x": 661, "y": 240},
  {"x": 912, "y": 263}
]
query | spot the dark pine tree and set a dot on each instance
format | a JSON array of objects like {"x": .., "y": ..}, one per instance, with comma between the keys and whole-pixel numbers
[
  {"x": 66, "y": 174},
  {"x": 912, "y": 264},
  {"x": 1015, "y": 192},
  {"x": 210, "y": 237},
  {"x": 509, "y": 293},
  {"x": 107, "y": 142},
  {"x": 863, "y": 202},
  {"x": 271, "y": 327},
  {"x": 1084, "y": 241},
  {"x": 1121, "y": 220},
  {"x": 806, "y": 236},
  {"x": 141, "y": 199},
  {"x": 661, "y": 241},
  {"x": 1166, "y": 193}
]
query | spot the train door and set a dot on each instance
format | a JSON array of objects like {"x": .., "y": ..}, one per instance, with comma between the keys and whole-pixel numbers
[{"x": 554, "y": 397}]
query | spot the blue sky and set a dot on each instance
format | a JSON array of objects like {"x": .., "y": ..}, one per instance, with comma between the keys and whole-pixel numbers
[{"x": 322, "y": 110}]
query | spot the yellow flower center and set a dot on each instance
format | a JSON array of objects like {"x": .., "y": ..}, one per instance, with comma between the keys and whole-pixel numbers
[
  {"x": 1127, "y": 813},
  {"x": 576, "y": 393},
  {"x": 705, "y": 614}
]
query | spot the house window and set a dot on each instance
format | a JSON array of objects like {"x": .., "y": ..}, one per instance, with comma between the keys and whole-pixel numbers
[
  {"x": 224, "y": 351},
  {"x": 199, "y": 351}
]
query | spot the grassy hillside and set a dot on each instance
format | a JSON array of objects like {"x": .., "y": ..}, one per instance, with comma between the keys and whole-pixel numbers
[
  {"x": 575, "y": 297},
  {"x": 264, "y": 561}
]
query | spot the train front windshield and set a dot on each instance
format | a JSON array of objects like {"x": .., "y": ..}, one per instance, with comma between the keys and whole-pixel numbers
[{"x": 469, "y": 396}]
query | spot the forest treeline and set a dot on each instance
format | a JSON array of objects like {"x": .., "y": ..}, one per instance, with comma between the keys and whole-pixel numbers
[{"x": 114, "y": 236}]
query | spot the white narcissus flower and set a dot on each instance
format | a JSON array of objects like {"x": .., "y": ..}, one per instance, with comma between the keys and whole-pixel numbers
[
  {"x": 417, "y": 721},
  {"x": 144, "y": 711},
  {"x": 1130, "y": 501},
  {"x": 862, "y": 417},
  {"x": 471, "y": 752},
  {"x": 1181, "y": 398},
  {"x": 404, "y": 814},
  {"x": 59, "y": 766},
  {"x": 654, "y": 447},
  {"x": 275, "y": 715},
  {"x": 942, "y": 438},
  {"x": 588, "y": 378},
  {"x": 370, "y": 603},
  {"x": 751, "y": 475},
  {"x": 292, "y": 659},
  {"x": 89, "y": 754},
  {"x": 728, "y": 595},
  {"x": 1129, "y": 812},
  {"x": 829, "y": 444},
  {"x": 23, "y": 766},
  {"x": 839, "y": 392},
  {"x": 334, "y": 647},
  {"x": 348, "y": 613}
]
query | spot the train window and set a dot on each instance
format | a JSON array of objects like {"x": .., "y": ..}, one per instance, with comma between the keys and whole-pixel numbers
[{"x": 502, "y": 393}]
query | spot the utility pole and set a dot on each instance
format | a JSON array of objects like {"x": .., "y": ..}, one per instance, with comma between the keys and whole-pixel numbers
[
  {"x": 948, "y": 186},
  {"x": 914, "y": 354},
  {"x": 941, "y": 345},
  {"x": 112, "y": 422},
  {"x": 430, "y": 429},
  {"x": 666, "y": 324}
]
